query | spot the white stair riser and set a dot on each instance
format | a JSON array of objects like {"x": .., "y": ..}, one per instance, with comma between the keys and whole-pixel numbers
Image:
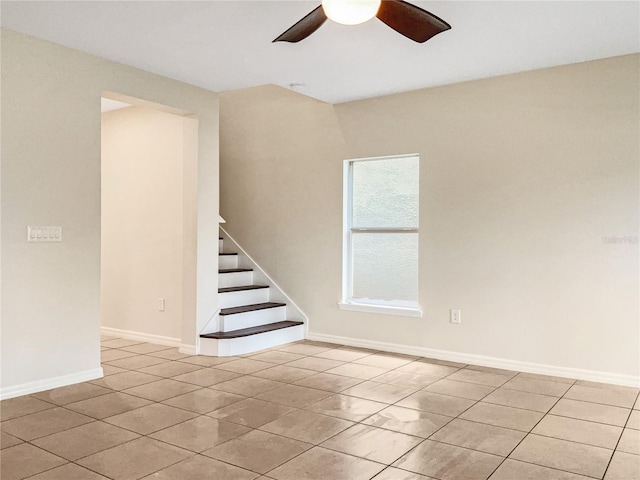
[
  {"x": 243, "y": 297},
  {"x": 237, "y": 279},
  {"x": 228, "y": 261},
  {"x": 252, "y": 343},
  {"x": 252, "y": 319}
]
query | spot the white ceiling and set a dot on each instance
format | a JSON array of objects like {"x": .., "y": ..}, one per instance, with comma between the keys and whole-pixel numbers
[
  {"x": 108, "y": 105},
  {"x": 225, "y": 45}
]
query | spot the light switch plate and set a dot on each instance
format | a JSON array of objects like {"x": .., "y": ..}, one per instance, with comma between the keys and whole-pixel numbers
[{"x": 51, "y": 233}]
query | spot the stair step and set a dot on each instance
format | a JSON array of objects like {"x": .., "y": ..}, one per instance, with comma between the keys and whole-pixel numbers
[
  {"x": 227, "y": 253},
  {"x": 250, "y": 308},
  {"x": 241, "y": 288},
  {"x": 235, "y": 270},
  {"x": 245, "y": 332}
]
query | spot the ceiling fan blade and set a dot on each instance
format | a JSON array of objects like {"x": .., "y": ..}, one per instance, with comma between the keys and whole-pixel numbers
[
  {"x": 304, "y": 27},
  {"x": 411, "y": 21}
]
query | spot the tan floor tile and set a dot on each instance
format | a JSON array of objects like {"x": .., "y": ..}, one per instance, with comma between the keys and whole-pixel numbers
[
  {"x": 608, "y": 386},
  {"x": 44, "y": 423},
  {"x": 624, "y": 466},
  {"x": 258, "y": 451},
  {"x": 200, "y": 433},
  {"x": 70, "y": 471},
  {"x": 108, "y": 405},
  {"x": 328, "y": 382},
  {"x": 170, "y": 354},
  {"x": 150, "y": 419},
  {"x": 636, "y": 405},
  {"x": 471, "y": 391},
  {"x": 275, "y": 356},
  {"x": 170, "y": 369},
  {"x": 110, "y": 370},
  {"x": 479, "y": 436},
  {"x": 383, "y": 361},
  {"x": 375, "y": 444},
  {"x": 142, "y": 348},
  {"x": 137, "y": 362},
  {"x": 407, "y": 420},
  {"x": 315, "y": 363},
  {"x": 405, "y": 379},
  {"x": 285, "y": 373},
  {"x": 591, "y": 433},
  {"x": 119, "y": 342},
  {"x": 427, "y": 369},
  {"x": 515, "y": 470},
  {"x": 307, "y": 426},
  {"x": 391, "y": 473},
  {"x": 251, "y": 412},
  {"x": 499, "y": 371},
  {"x": 446, "y": 363},
  {"x": 379, "y": 392},
  {"x": 244, "y": 366},
  {"x": 343, "y": 355},
  {"x": 25, "y": 460},
  {"x": 630, "y": 441},
  {"x": 206, "y": 361},
  {"x": 592, "y": 412},
  {"x": 481, "y": 378},
  {"x": 436, "y": 403},
  {"x": 85, "y": 440},
  {"x": 248, "y": 386},
  {"x": 121, "y": 381},
  {"x": 72, "y": 393},
  {"x": 532, "y": 385},
  {"x": 204, "y": 401},
  {"x": 501, "y": 416},
  {"x": 322, "y": 464},
  {"x": 618, "y": 398},
  {"x": 206, "y": 377},
  {"x": 294, "y": 396},
  {"x": 303, "y": 349},
  {"x": 200, "y": 468},
  {"x": 104, "y": 338},
  {"x": 569, "y": 456},
  {"x": 19, "y": 406},
  {"x": 7, "y": 440},
  {"x": 134, "y": 459},
  {"x": 364, "y": 372},
  {"x": 110, "y": 355},
  {"x": 447, "y": 462},
  {"x": 634, "y": 420},
  {"x": 348, "y": 408},
  {"x": 549, "y": 378},
  {"x": 161, "y": 390},
  {"x": 517, "y": 399}
]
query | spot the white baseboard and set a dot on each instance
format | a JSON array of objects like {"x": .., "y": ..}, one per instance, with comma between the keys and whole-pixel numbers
[
  {"x": 49, "y": 383},
  {"x": 556, "y": 371},
  {"x": 188, "y": 349},
  {"x": 143, "y": 337}
]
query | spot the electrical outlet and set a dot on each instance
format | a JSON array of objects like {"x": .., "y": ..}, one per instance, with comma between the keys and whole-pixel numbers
[
  {"x": 161, "y": 304},
  {"x": 456, "y": 317}
]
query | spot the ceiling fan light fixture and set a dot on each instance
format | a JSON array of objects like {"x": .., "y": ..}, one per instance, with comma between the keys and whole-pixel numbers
[{"x": 350, "y": 12}]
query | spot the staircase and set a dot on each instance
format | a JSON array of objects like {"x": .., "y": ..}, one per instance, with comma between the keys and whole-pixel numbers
[{"x": 248, "y": 321}]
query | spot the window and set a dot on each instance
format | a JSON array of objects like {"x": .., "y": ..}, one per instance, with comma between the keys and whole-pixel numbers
[{"x": 380, "y": 257}]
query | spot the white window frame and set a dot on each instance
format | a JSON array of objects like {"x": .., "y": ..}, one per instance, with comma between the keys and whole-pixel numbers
[{"x": 347, "y": 303}]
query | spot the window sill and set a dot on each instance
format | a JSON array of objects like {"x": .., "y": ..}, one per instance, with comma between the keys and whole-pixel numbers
[{"x": 385, "y": 310}]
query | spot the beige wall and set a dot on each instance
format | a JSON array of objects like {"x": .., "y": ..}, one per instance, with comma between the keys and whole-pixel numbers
[
  {"x": 51, "y": 176},
  {"x": 521, "y": 178},
  {"x": 142, "y": 220}
]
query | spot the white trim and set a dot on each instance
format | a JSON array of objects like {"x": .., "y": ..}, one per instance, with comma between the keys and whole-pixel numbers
[
  {"x": 143, "y": 337},
  {"x": 383, "y": 309},
  {"x": 49, "y": 383},
  {"x": 507, "y": 364}
]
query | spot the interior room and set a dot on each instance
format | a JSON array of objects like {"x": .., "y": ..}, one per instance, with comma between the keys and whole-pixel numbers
[{"x": 276, "y": 243}]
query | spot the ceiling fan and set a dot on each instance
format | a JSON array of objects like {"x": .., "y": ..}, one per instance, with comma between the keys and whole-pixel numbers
[{"x": 411, "y": 21}]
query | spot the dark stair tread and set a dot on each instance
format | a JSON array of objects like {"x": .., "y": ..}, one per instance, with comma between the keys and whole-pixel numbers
[
  {"x": 227, "y": 253},
  {"x": 235, "y": 270},
  {"x": 245, "y": 332},
  {"x": 220, "y": 238},
  {"x": 250, "y": 308},
  {"x": 242, "y": 288}
]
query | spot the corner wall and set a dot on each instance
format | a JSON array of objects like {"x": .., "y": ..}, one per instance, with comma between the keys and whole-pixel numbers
[
  {"x": 527, "y": 180},
  {"x": 51, "y": 176}
]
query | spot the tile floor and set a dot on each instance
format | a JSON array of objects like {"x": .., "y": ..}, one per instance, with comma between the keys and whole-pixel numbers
[{"x": 313, "y": 411}]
